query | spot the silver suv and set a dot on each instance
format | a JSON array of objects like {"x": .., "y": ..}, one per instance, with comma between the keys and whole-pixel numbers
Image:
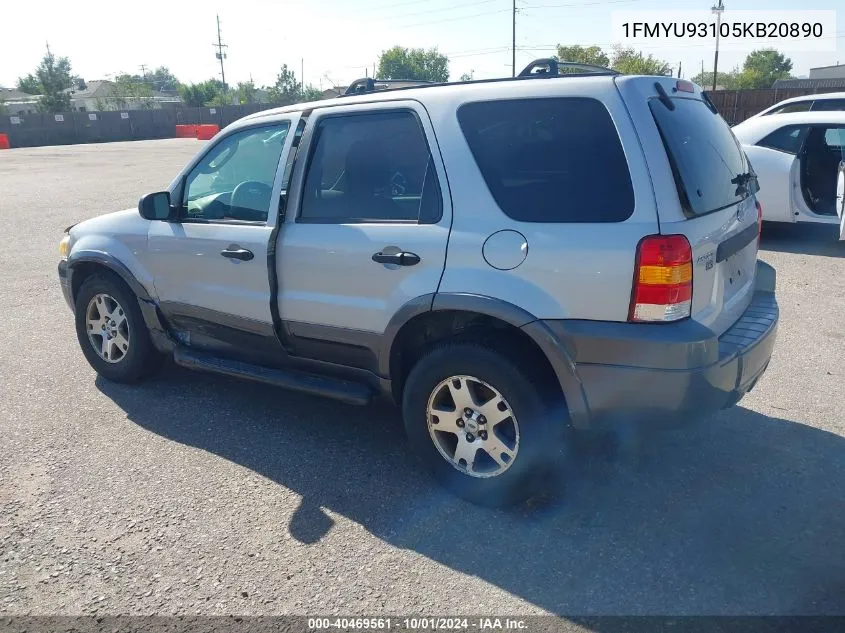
[{"x": 507, "y": 260}]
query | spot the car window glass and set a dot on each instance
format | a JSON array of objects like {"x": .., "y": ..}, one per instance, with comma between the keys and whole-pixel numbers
[
  {"x": 834, "y": 138},
  {"x": 550, "y": 160},
  {"x": 800, "y": 106},
  {"x": 370, "y": 167},
  {"x": 829, "y": 105},
  {"x": 234, "y": 181},
  {"x": 786, "y": 139}
]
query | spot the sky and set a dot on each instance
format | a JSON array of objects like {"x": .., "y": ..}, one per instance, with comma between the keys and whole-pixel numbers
[{"x": 337, "y": 41}]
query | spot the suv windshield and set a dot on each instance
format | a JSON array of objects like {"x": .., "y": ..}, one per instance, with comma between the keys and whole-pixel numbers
[{"x": 708, "y": 163}]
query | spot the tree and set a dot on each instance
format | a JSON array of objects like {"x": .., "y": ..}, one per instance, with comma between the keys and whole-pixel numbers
[
  {"x": 162, "y": 79},
  {"x": 131, "y": 89},
  {"x": 197, "y": 95},
  {"x": 763, "y": 67},
  {"x": 54, "y": 78},
  {"x": 286, "y": 90},
  {"x": 310, "y": 93},
  {"x": 29, "y": 85},
  {"x": 466, "y": 77},
  {"x": 246, "y": 92},
  {"x": 220, "y": 99},
  {"x": 582, "y": 54},
  {"x": 413, "y": 63},
  {"x": 630, "y": 62},
  {"x": 726, "y": 80}
]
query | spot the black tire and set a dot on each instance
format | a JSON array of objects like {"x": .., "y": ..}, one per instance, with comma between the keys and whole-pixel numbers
[
  {"x": 141, "y": 358},
  {"x": 542, "y": 429}
]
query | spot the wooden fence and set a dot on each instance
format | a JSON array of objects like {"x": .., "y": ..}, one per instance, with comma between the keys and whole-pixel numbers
[{"x": 737, "y": 105}]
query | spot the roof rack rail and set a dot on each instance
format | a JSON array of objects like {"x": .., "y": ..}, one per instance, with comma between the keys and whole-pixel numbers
[
  {"x": 367, "y": 85},
  {"x": 552, "y": 67}
]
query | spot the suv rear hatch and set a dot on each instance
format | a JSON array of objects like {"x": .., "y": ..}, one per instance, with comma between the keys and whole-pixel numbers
[{"x": 704, "y": 189}]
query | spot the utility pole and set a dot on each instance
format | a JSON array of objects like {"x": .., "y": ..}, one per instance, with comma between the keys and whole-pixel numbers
[
  {"x": 302, "y": 74},
  {"x": 143, "y": 68},
  {"x": 513, "y": 40},
  {"x": 718, "y": 11},
  {"x": 680, "y": 65},
  {"x": 48, "y": 48},
  {"x": 221, "y": 55}
]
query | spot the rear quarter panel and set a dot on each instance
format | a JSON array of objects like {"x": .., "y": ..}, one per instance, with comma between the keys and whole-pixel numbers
[
  {"x": 709, "y": 304},
  {"x": 570, "y": 270}
]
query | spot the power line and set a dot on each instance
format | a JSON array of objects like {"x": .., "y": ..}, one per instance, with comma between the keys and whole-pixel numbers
[
  {"x": 441, "y": 10},
  {"x": 463, "y": 17}
]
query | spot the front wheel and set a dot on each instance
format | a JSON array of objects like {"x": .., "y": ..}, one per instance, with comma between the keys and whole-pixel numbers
[
  {"x": 112, "y": 332},
  {"x": 481, "y": 426}
]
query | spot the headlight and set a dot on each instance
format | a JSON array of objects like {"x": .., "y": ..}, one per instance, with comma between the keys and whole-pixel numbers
[{"x": 64, "y": 246}]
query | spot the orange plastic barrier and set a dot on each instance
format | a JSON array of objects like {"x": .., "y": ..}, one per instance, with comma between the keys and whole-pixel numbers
[
  {"x": 206, "y": 132},
  {"x": 186, "y": 131},
  {"x": 4, "y": 141}
]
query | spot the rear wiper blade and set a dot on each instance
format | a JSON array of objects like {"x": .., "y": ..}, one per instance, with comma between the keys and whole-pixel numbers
[{"x": 742, "y": 181}]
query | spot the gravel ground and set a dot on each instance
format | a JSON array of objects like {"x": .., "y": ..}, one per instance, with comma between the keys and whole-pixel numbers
[{"x": 195, "y": 494}]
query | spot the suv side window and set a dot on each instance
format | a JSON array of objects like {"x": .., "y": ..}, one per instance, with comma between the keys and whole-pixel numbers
[
  {"x": 798, "y": 106},
  {"x": 234, "y": 181},
  {"x": 828, "y": 105},
  {"x": 373, "y": 167},
  {"x": 786, "y": 139},
  {"x": 550, "y": 159}
]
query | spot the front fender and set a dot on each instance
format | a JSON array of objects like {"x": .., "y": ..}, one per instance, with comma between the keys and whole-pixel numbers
[{"x": 116, "y": 255}]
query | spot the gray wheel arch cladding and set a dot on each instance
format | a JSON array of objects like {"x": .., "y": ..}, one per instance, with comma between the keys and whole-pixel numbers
[
  {"x": 145, "y": 302},
  {"x": 551, "y": 345}
]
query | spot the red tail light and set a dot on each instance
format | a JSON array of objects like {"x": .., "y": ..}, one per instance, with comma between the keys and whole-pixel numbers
[
  {"x": 662, "y": 289},
  {"x": 759, "y": 221}
]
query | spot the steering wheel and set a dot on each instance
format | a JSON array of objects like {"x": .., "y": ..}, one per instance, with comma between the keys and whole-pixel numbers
[{"x": 251, "y": 198}]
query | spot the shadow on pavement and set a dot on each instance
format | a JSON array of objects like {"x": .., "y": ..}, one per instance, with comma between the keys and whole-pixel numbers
[
  {"x": 743, "y": 514},
  {"x": 802, "y": 239}
]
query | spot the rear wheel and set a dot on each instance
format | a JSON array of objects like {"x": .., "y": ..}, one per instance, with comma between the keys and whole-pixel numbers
[
  {"x": 481, "y": 426},
  {"x": 112, "y": 332}
]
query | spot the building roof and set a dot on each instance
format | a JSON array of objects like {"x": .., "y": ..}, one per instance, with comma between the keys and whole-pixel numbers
[
  {"x": 95, "y": 89},
  {"x": 811, "y": 84},
  {"x": 8, "y": 94},
  {"x": 826, "y": 67}
]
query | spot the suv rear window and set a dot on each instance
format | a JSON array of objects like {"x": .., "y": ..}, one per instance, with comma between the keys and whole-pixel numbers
[
  {"x": 705, "y": 155},
  {"x": 550, "y": 160}
]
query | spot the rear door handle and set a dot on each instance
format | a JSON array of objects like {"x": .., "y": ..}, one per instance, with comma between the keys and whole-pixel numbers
[
  {"x": 402, "y": 258},
  {"x": 236, "y": 252}
]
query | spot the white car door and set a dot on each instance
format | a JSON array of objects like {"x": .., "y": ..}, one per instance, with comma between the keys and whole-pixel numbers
[
  {"x": 774, "y": 161},
  {"x": 209, "y": 265}
]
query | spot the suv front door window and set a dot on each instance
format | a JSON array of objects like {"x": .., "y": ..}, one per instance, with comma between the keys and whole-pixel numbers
[{"x": 234, "y": 181}]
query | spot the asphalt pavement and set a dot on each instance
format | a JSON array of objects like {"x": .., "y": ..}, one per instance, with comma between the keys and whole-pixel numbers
[{"x": 192, "y": 493}]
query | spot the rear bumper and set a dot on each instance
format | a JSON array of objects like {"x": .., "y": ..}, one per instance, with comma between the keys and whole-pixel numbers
[{"x": 671, "y": 372}]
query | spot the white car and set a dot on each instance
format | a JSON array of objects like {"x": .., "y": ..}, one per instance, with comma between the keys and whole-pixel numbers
[
  {"x": 799, "y": 159},
  {"x": 830, "y": 101}
]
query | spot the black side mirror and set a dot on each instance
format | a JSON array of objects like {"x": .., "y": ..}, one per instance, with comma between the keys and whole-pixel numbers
[{"x": 155, "y": 206}]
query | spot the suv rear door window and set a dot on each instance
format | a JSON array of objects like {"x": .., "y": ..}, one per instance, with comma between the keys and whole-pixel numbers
[
  {"x": 707, "y": 160},
  {"x": 550, "y": 160},
  {"x": 371, "y": 168}
]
